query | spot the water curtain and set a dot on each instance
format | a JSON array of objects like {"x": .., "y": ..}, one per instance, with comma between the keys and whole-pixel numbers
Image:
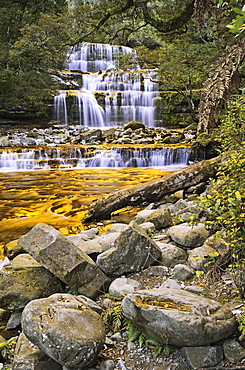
[
  {"x": 107, "y": 96},
  {"x": 61, "y": 158}
]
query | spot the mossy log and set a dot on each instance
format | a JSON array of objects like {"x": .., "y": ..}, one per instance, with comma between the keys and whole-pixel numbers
[{"x": 154, "y": 190}]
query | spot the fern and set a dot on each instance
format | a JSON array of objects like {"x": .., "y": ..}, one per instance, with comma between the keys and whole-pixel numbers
[
  {"x": 241, "y": 326},
  {"x": 133, "y": 331},
  {"x": 113, "y": 316}
]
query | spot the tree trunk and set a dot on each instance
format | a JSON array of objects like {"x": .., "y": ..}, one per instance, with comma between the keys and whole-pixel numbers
[
  {"x": 217, "y": 89},
  {"x": 154, "y": 190}
]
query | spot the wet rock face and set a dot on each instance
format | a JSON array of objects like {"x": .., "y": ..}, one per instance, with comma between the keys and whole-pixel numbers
[
  {"x": 65, "y": 329},
  {"x": 178, "y": 317}
]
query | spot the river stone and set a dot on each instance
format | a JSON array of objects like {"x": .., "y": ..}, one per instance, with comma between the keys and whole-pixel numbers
[
  {"x": 117, "y": 227},
  {"x": 147, "y": 226},
  {"x": 218, "y": 244},
  {"x": 142, "y": 215},
  {"x": 14, "y": 320},
  {"x": 29, "y": 357},
  {"x": 170, "y": 284},
  {"x": 123, "y": 286},
  {"x": 65, "y": 329},
  {"x": 188, "y": 236},
  {"x": 12, "y": 249},
  {"x": 199, "y": 357},
  {"x": 60, "y": 256},
  {"x": 24, "y": 281},
  {"x": 202, "y": 258},
  {"x": 161, "y": 218},
  {"x": 182, "y": 272},
  {"x": 233, "y": 350},
  {"x": 87, "y": 136},
  {"x": 134, "y": 125},
  {"x": 171, "y": 255},
  {"x": 188, "y": 319},
  {"x": 99, "y": 244},
  {"x": 133, "y": 251}
]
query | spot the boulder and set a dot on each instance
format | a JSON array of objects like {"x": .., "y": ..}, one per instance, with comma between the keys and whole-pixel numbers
[
  {"x": 142, "y": 215},
  {"x": 24, "y": 281},
  {"x": 65, "y": 329},
  {"x": 123, "y": 286},
  {"x": 88, "y": 136},
  {"x": 178, "y": 317},
  {"x": 29, "y": 357},
  {"x": 199, "y": 357},
  {"x": 133, "y": 251},
  {"x": 134, "y": 125},
  {"x": 60, "y": 256},
  {"x": 233, "y": 351},
  {"x": 182, "y": 272},
  {"x": 148, "y": 226},
  {"x": 171, "y": 255},
  {"x": 161, "y": 218},
  {"x": 188, "y": 236},
  {"x": 218, "y": 244},
  {"x": 99, "y": 244},
  {"x": 117, "y": 227},
  {"x": 170, "y": 284},
  {"x": 202, "y": 258}
]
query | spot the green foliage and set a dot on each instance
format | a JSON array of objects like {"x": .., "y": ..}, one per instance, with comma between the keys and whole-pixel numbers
[
  {"x": 241, "y": 325},
  {"x": 135, "y": 333},
  {"x": 238, "y": 24},
  {"x": 113, "y": 316},
  {"x": 224, "y": 202},
  {"x": 231, "y": 132},
  {"x": 7, "y": 348}
]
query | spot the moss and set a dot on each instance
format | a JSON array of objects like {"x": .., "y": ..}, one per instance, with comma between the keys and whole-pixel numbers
[{"x": 162, "y": 304}]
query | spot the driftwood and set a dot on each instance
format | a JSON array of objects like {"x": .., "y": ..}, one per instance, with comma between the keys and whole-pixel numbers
[{"x": 154, "y": 190}]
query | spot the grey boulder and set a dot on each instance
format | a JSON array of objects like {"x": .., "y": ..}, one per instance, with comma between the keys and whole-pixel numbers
[
  {"x": 178, "y": 317},
  {"x": 65, "y": 329},
  {"x": 29, "y": 357},
  {"x": 64, "y": 259},
  {"x": 188, "y": 236},
  {"x": 133, "y": 251},
  {"x": 24, "y": 281}
]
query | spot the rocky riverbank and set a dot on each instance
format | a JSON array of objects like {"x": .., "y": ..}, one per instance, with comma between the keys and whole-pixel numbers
[{"x": 155, "y": 271}]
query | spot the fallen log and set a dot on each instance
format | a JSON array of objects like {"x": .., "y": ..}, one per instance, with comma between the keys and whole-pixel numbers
[{"x": 154, "y": 190}]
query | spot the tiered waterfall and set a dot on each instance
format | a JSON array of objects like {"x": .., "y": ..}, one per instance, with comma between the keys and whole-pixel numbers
[{"x": 107, "y": 96}]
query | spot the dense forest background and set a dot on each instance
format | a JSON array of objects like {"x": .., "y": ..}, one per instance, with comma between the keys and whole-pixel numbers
[{"x": 186, "y": 41}]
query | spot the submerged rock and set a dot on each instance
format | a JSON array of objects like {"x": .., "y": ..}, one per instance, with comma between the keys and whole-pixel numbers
[
  {"x": 178, "y": 317},
  {"x": 65, "y": 329}
]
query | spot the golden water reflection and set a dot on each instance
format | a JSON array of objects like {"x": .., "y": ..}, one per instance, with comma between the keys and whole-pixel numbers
[{"x": 60, "y": 197}]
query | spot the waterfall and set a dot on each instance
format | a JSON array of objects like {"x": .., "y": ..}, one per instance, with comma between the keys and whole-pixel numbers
[
  {"x": 65, "y": 158},
  {"x": 60, "y": 108},
  {"x": 113, "y": 97}
]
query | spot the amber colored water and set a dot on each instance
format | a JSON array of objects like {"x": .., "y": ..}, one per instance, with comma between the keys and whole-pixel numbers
[{"x": 61, "y": 197}]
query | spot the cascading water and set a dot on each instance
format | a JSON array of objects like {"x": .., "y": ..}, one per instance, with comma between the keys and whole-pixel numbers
[
  {"x": 53, "y": 158},
  {"x": 108, "y": 97}
]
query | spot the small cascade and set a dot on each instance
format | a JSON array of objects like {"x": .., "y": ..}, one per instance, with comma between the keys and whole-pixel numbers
[
  {"x": 70, "y": 157},
  {"x": 60, "y": 108},
  {"x": 113, "y": 97}
]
